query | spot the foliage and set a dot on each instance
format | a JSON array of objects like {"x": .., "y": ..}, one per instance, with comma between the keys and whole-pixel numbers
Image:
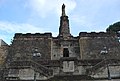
[{"x": 114, "y": 28}]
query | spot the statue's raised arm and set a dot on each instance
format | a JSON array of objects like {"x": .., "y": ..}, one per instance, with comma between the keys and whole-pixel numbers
[{"x": 63, "y": 10}]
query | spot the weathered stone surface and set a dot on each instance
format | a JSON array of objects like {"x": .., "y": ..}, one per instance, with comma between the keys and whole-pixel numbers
[
  {"x": 23, "y": 46},
  {"x": 58, "y": 46},
  {"x": 3, "y": 53},
  {"x": 91, "y": 47}
]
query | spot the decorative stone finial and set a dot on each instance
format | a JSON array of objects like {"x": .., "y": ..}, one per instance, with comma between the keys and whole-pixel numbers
[{"x": 63, "y": 10}]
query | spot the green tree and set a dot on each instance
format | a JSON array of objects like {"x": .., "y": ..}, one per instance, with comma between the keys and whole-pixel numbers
[{"x": 114, "y": 27}]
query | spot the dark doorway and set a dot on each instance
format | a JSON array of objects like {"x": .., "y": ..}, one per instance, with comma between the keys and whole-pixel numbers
[{"x": 65, "y": 52}]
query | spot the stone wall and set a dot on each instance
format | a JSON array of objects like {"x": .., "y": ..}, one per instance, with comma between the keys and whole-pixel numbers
[
  {"x": 25, "y": 74},
  {"x": 2, "y": 43},
  {"x": 25, "y": 45},
  {"x": 114, "y": 72},
  {"x": 58, "y": 46},
  {"x": 3, "y": 53},
  {"x": 91, "y": 46}
]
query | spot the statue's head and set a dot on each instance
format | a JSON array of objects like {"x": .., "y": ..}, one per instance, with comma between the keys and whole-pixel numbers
[{"x": 63, "y": 6}]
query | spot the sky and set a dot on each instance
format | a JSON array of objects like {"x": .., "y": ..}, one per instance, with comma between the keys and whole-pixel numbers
[{"x": 40, "y": 16}]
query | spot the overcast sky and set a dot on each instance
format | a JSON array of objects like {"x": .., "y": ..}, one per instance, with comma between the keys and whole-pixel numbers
[{"x": 31, "y": 16}]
